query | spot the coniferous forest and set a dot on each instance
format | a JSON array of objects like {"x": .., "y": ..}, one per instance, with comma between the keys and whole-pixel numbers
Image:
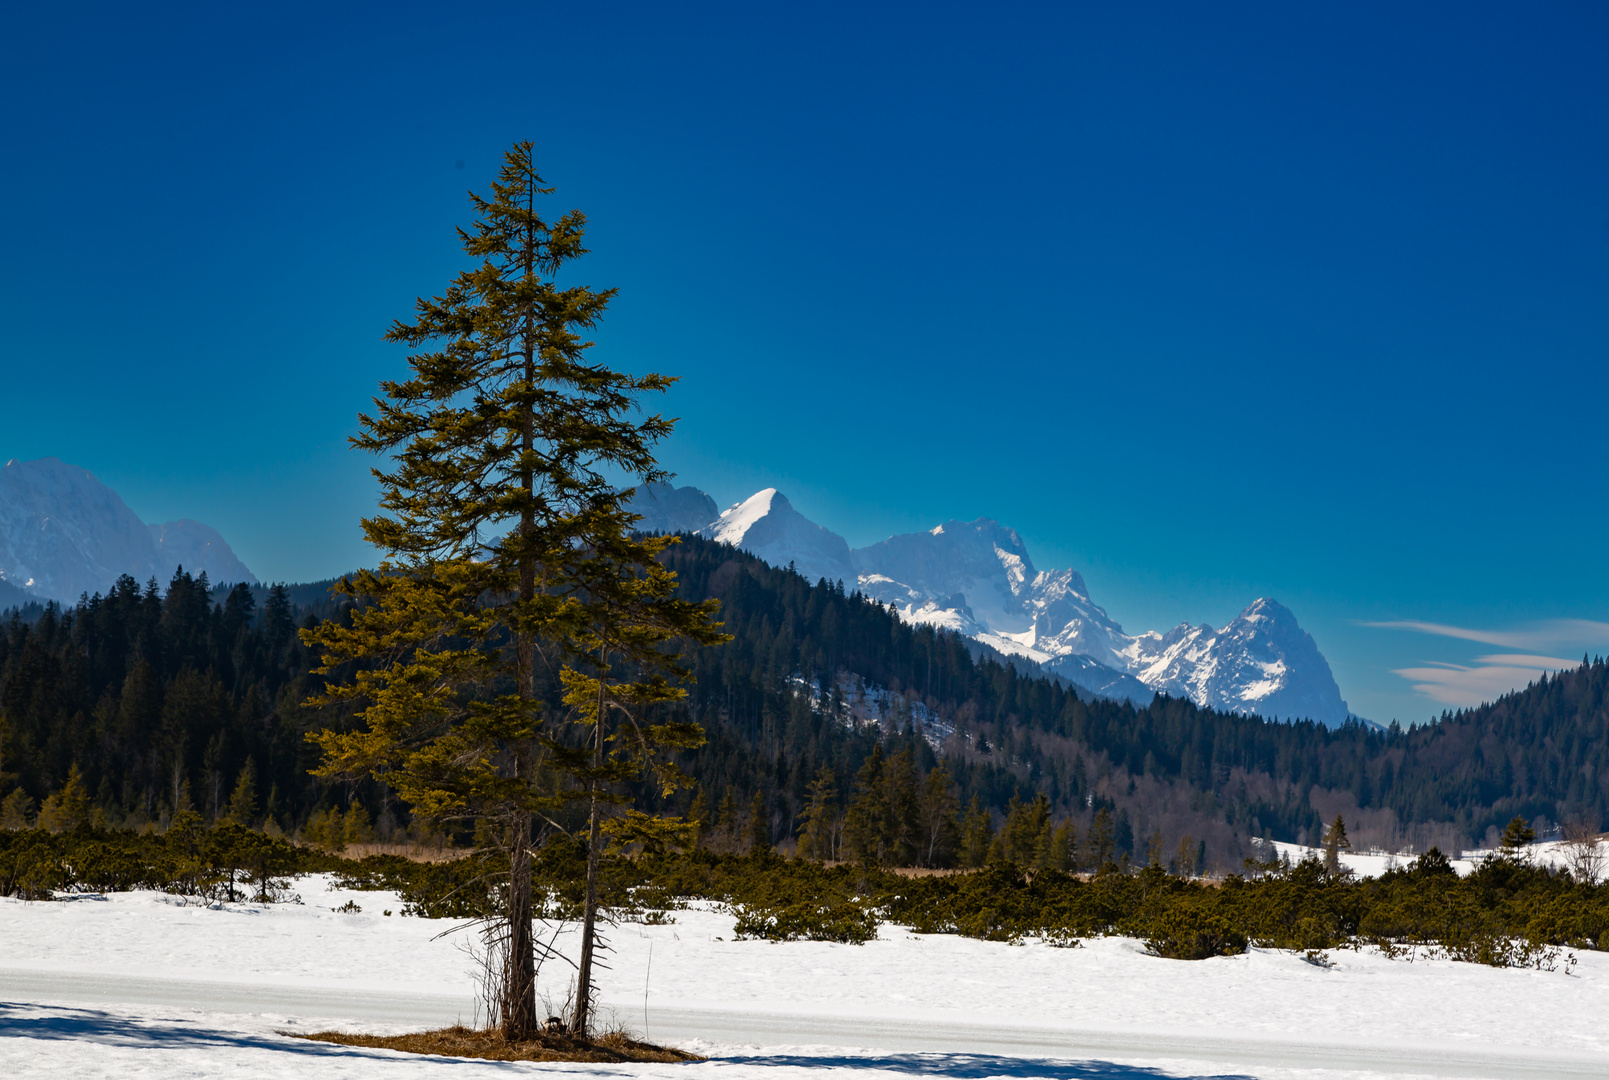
[{"x": 831, "y": 725}]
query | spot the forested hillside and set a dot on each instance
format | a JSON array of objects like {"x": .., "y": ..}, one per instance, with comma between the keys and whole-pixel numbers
[{"x": 163, "y": 697}]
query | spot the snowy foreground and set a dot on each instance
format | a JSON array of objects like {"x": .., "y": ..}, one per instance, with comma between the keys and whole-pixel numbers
[{"x": 145, "y": 985}]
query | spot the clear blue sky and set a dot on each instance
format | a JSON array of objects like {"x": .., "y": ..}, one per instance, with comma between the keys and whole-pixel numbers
[{"x": 1311, "y": 305}]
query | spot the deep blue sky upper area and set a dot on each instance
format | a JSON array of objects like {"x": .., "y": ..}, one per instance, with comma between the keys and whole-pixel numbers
[{"x": 1211, "y": 305}]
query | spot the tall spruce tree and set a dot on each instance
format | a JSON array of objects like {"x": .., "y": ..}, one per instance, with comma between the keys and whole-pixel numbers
[{"x": 507, "y": 560}]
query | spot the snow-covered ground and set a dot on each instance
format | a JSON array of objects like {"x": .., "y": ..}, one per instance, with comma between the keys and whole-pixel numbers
[
  {"x": 144, "y": 985},
  {"x": 1373, "y": 863}
]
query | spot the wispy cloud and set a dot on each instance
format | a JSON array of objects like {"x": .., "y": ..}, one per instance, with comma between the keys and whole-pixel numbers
[
  {"x": 1551, "y": 634},
  {"x": 1489, "y": 677}
]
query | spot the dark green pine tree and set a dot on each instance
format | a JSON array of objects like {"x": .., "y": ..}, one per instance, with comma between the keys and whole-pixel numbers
[
  {"x": 868, "y": 822},
  {"x": 1516, "y": 836},
  {"x": 818, "y": 822},
  {"x": 507, "y": 549},
  {"x": 759, "y": 826},
  {"x": 1335, "y": 842}
]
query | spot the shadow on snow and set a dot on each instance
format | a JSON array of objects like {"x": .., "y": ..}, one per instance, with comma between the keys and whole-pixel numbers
[{"x": 28, "y": 1021}]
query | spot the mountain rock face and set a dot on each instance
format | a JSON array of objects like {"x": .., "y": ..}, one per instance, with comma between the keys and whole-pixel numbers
[
  {"x": 666, "y": 509},
  {"x": 977, "y": 579},
  {"x": 64, "y": 533},
  {"x": 197, "y": 547}
]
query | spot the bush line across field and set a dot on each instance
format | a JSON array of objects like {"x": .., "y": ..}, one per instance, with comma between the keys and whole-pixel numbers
[{"x": 1506, "y": 913}]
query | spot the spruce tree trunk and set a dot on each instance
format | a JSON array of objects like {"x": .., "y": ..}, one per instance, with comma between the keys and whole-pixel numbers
[
  {"x": 583, "y": 978},
  {"x": 519, "y": 975},
  {"x": 519, "y": 971}
]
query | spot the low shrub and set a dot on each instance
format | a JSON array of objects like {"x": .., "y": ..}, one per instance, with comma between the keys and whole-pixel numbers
[{"x": 806, "y": 920}]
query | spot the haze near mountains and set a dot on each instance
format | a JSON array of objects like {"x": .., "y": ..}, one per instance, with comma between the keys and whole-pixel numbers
[
  {"x": 63, "y": 533},
  {"x": 977, "y": 579}
]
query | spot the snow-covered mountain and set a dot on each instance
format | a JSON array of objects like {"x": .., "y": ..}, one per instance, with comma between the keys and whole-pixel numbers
[
  {"x": 1262, "y": 662},
  {"x": 64, "y": 533},
  {"x": 977, "y": 579},
  {"x": 766, "y": 524}
]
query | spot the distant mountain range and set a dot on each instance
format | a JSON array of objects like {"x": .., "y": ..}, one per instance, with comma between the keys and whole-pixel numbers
[
  {"x": 977, "y": 579},
  {"x": 63, "y": 533}
]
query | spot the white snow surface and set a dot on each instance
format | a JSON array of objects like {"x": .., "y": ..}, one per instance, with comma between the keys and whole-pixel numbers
[
  {"x": 142, "y": 984},
  {"x": 1374, "y": 862}
]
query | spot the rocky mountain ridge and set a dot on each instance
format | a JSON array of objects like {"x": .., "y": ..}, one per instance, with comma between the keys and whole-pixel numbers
[
  {"x": 63, "y": 533},
  {"x": 977, "y": 579}
]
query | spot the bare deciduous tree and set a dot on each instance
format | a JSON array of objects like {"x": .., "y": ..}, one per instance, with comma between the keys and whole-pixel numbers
[{"x": 1583, "y": 851}]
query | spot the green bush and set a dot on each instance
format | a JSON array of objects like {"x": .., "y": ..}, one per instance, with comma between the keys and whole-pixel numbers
[
  {"x": 1192, "y": 932},
  {"x": 806, "y": 920}
]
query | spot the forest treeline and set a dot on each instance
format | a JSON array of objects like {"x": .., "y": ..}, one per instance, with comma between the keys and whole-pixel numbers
[{"x": 831, "y": 724}]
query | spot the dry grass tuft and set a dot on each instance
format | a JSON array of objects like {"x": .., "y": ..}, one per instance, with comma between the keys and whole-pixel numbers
[
  {"x": 465, "y": 1042},
  {"x": 425, "y": 853}
]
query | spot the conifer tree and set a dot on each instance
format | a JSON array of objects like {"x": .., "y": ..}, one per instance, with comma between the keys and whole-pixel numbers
[
  {"x": 1063, "y": 847},
  {"x": 723, "y": 837},
  {"x": 1184, "y": 860},
  {"x": 243, "y": 802},
  {"x": 1101, "y": 841},
  {"x": 17, "y": 810},
  {"x": 759, "y": 826},
  {"x": 1516, "y": 836},
  {"x": 977, "y": 833},
  {"x": 357, "y": 825},
  {"x": 866, "y": 824},
  {"x": 818, "y": 823},
  {"x": 507, "y": 557},
  {"x": 618, "y": 675},
  {"x": 67, "y": 808},
  {"x": 1335, "y": 842}
]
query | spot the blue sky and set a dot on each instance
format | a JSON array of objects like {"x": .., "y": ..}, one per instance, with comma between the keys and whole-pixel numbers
[{"x": 1210, "y": 305}]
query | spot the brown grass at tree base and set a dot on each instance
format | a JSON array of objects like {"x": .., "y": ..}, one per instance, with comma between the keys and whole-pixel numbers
[{"x": 459, "y": 1041}]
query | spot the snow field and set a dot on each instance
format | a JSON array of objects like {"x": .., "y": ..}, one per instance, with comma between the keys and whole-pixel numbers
[
  {"x": 143, "y": 984},
  {"x": 1548, "y": 853}
]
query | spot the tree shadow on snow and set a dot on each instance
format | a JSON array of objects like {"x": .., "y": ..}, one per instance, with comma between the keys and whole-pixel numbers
[
  {"x": 58, "y": 1022},
  {"x": 68, "y": 1024},
  {"x": 976, "y": 1066}
]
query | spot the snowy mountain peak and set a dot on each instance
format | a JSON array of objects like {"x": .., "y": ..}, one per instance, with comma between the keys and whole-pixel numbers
[
  {"x": 977, "y": 578},
  {"x": 1262, "y": 662},
  {"x": 766, "y": 525},
  {"x": 64, "y": 533},
  {"x": 736, "y": 520}
]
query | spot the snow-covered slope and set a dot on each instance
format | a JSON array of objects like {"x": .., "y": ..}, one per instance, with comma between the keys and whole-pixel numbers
[
  {"x": 976, "y": 578},
  {"x": 64, "y": 533},
  {"x": 766, "y": 525},
  {"x": 666, "y": 509}
]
